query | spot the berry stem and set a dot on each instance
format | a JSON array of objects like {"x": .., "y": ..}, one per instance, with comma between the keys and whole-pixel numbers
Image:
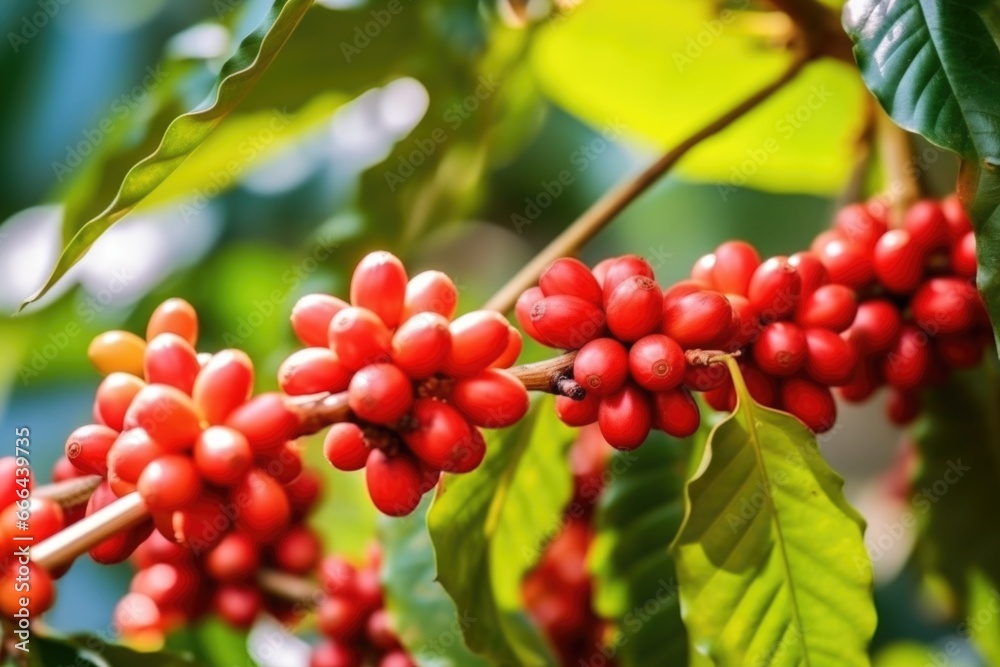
[
  {"x": 551, "y": 375},
  {"x": 290, "y": 587},
  {"x": 71, "y": 492},
  {"x": 615, "y": 200},
  {"x": 902, "y": 187}
]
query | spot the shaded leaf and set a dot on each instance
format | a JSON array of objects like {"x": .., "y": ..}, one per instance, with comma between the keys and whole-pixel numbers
[
  {"x": 770, "y": 558},
  {"x": 94, "y": 651}
]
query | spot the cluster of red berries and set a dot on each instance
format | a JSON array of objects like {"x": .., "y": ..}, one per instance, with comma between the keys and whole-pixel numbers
[
  {"x": 418, "y": 384},
  {"x": 353, "y": 618}
]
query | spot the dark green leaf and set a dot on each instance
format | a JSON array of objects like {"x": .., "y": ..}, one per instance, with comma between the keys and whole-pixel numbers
[
  {"x": 770, "y": 558},
  {"x": 94, "y": 651},
  {"x": 489, "y": 526},
  {"x": 188, "y": 131}
]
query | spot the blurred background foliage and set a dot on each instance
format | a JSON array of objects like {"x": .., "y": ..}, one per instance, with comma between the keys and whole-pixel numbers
[{"x": 462, "y": 136}]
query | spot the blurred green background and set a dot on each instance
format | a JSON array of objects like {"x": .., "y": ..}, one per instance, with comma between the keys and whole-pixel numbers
[{"x": 339, "y": 150}]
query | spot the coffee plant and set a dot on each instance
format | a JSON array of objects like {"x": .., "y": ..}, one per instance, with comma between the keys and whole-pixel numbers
[{"x": 620, "y": 458}]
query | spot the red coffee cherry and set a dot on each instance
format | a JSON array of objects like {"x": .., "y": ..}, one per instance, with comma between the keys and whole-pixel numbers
[
  {"x": 393, "y": 485},
  {"x": 303, "y": 492},
  {"x": 379, "y": 631},
  {"x": 657, "y": 363},
  {"x": 903, "y": 407},
  {"x": 171, "y": 360},
  {"x": 703, "y": 270},
  {"x": 908, "y": 362},
  {"x": 945, "y": 305},
  {"x": 811, "y": 403},
  {"x": 705, "y": 378},
  {"x": 676, "y": 412},
  {"x": 284, "y": 465},
  {"x": 344, "y": 447},
  {"x": 39, "y": 594},
  {"x": 898, "y": 261},
  {"x": 761, "y": 386},
  {"x": 298, "y": 551},
  {"x": 113, "y": 397},
  {"x": 334, "y": 654},
  {"x": 396, "y": 659},
  {"x": 774, "y": 289},
  {"x": 735, "y": 263},
  {"x": 166, "y": 414},
  {"x": 222, "y": 455},
  {"x": 169, "y": 483},
  {"x": 421, "y": 345},
  {"x": 877, "y": 325},
  {"x": 429, "y": 477},
  {"x": 959, "y": 351},
  {"x": 681, "y": 289},
  {"x": 577, "y": 413},
  {"x": 119, "y": 546},
  {"x": 311, "y": 316},
  {"x": 747, "y": 324},
  {"x": 570, "y": 277},
  {"x": 780, "y": 349},
  {"x": 601, "y": 366},
  {"x": 313, "y": 370},
  {"x": 828, "y": 307},
  {"x": 266, "y": 511},
  {"x": 865, "y": 382},
  {"x": 625, "y": 417},
  {"x": 812, "y": 273},
  {"x": 958, "y": 221},
  {"x": 522, "y": 310},
  {"x": 158, "y": 549},
  {"x": 492, "y": 399},
  {"x": 379, "y": 285},
  {"x": 600, "y": 270},
  {"x": 512, "y": 351},
  {"x": 698, "y": 319},
  {"x": 620, "y": 270},
  {"x": 430, "y": 292},
  {"x": 963, "y": 256},
  {"x": 265, "y": 420},
  {"x": 173, "y": 588},
  {"x": 87, "y": 448},
  {"x": 634, "y": 309},
  {"x": 175, "y": 316},
  {"x": 359, "y": 338},
  {"x": 859, "y": 225},
  {"x": 337, "y": 576},
  {"x": 847, "y": 263},
  {"x": 470, "y": 454},
  {"x": 441, "y": 436},
  {"x": 477, "y": 340},
  {"x": 567, "y": 322},
  {"x": 380, "y": 393},
  {"x": 237, "y": 605},
  {"x": 45, "y": 518},
  {"x": 223, "y": 384},
  {"x": 831, "y": 359},
  {"x": 235, "y": 558},
  {"x": 200, "y": 525},
  {"x": 140, "y": 619},
  {"x": 130, "y": 453},
  {"x": 926, "y": 224}
]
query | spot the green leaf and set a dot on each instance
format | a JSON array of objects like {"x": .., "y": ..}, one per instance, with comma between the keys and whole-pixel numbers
[
  {"x": 653, "y": 69},
  {"x": 489, "y": 527},
  {"x": 211, "y": 642},
  {"x": 770, "y": 558},
  {"x": 424, "y": 617},
  {"x": 94, "y": 651},
  {"x": 188, "y": 131}
]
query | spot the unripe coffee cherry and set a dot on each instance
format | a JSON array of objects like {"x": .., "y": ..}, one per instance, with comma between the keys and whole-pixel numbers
[
  {"x": 235, "y": 558},
  {"x": 601, "y": 366},
  {"x": 634, "y": 309},
  {"x": 859, "y": 225},
  {"x": 846, "y": 263},
  {"x": 512, "y": 351},
  {"x": 625, "y": 417},
  {"x": 898, "y": 261},
  {"x": 313, "y": 370},
  {"x": 430, "y": 292},
  {"x": 380, "y": 393},
  {"x": 780, "y": 349},
  {"x": 811, "y": 403},
  {"x": 87, "y": 448},
  {"x": 379, "y": 285},
  {"x": 344, "y": 447},
  {"x": 477, "y": 340},
  {"x": 169, "y": 483},
  {"x": 393, "y": 486},
  {"x": 567, "y": 322},
  {"x": 167, "y": 414},
  {"x": 441, "y": 436},
  {"x": 266, "y": 511},
  {"x": 831, "y": 359},
  {"x": 877, "y": 325},
  {"x": 222, "y": 455},
  {"x": 676, "y": 412},
  {"x": 421, "y": 345},
  {"x": 359, "y": 338},
  {"x": 119, "y": 546},
  {"x": 577, "y": 413},
  {"x": 925, "y": 222},
  {"x": 237, "y": 604},
  {"x": 945, "y": 305},
  {"x": 703, "y": 270},
  {"x": 39, "y": 596},
  {"x": 570, "y": 277},
  {"x": 774, "y": 289},
  {"x": 311, "y": 316},
  {"x": 130, "y": 453},
  {"x": 828, "y": 307},
  {"x": 812, "y": 273},
  {"x": 175, "y": 316},
  {"x": 298, "y": 551},
  {"x": 265, "y": 420},
  {"x": 657, "y": 363},
  {"x": 963, "y": 256},
  {"x": 522, "y": 310},
  {"x": 117, "y": 351},
  {"x": 172, "y": 361},
  {"x": 908, "y": 362},
  {"x": 735, "y": 264},
  {"x": 113, "y": 397},
  {"x": 698, "y": 319},
  {"x": 620, "y": 270},
  {"x": 223, "y": 384},
  {"x": 492, "y": 399}
]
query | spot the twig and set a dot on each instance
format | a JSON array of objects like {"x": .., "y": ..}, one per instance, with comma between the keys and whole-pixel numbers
[
  {"x": 70, "y": 492},
  {"x": 820, "y": 28},
  {"x": 855, "y": 189},
  {"x": 290, "y": 587},
  {"x": 552, "y": 375},
  {"x": 897, "y": 161},
  {"x": 614, "y": 202}
]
